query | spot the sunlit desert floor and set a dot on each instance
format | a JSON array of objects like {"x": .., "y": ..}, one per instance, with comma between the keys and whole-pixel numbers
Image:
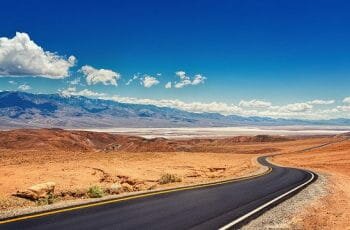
[
  {"x": 333, "y": 211},
  {"x": 77, "y": 160}
]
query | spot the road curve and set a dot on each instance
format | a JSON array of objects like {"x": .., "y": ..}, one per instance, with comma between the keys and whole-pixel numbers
[{"x": 221, "y": 206}]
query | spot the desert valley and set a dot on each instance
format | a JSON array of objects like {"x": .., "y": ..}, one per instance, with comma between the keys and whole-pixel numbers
[
  {"x": 84, "y": 165},
  {"x": 174, "y": 115}
]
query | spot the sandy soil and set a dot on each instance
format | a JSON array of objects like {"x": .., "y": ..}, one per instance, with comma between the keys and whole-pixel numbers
[
  {"x": 77, "y": 160},
  {"x": 333, "y": 211},
  {"x": 79, "y": 171}
]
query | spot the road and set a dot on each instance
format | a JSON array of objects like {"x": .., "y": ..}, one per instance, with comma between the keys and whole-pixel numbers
[{"x": 224, "y": 205}]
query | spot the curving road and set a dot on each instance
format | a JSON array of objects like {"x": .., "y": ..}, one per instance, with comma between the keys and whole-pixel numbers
[{"x": 220, "y": 206}]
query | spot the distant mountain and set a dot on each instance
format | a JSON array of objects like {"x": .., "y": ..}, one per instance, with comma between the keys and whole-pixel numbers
[{"x": 19, "y": 109}]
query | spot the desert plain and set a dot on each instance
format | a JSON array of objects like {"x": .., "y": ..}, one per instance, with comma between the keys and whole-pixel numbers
[{"x": 76, "y": 161}]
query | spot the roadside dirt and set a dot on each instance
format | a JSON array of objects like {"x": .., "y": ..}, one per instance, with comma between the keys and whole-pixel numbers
[{"x": 332, "y": 211}]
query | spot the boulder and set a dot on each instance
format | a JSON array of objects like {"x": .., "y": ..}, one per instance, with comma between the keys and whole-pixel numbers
[
  {"x": 127, "y": 187},
  {"x": 115, "y": 188},
  {"x": 37, "y": 191},
  {"x": 140, "y": 187}
]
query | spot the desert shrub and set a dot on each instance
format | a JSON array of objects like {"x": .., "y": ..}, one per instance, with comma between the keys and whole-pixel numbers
[
  {"x": 169, "y": 178},
  {"x": 95, "y": 192},
  {"x": 50, "y": 199}
]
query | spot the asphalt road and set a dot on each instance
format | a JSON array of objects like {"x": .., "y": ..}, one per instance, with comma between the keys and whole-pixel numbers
[{"x": 202, "y": 208}]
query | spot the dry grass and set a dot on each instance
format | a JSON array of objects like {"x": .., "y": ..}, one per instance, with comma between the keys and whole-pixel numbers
[{"x": 169, "y": 178}]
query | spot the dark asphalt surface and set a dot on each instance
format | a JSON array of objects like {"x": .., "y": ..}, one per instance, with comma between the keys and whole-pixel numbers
[{"x": 201, "y": 208}]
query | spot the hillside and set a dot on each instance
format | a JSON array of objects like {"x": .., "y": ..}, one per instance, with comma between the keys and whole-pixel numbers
[
  {"x": 25, "y": 110},
  {"x": 65, "y": 140}
]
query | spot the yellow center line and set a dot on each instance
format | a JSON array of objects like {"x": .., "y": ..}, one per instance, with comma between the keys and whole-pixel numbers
[{"x": 30, "y": 216}]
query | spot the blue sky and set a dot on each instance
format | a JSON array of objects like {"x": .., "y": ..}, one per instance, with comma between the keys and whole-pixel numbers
[{"x": 277, "y": 55}]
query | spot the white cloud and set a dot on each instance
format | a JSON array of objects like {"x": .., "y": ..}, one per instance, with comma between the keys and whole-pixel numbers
[
  {"x": 24, "y": 87},
  {"x": 295, "y": 110},
  {"x": 74, "y": 81},
  {"x": 198, "y": 79},
  {"x": 300, "y": 110},
  {"x": 254, "y": 104},
  {"x": 104, "y": 76},
  {"x": 72, "y": 91},
  {"x": 168, "y": 85},
  {"x": 20, "y": 56},
  {"x": 129, "y": 81},
  {"x": 199, "y": 107},
  {"x": 346, "y": 100},
  {"x": 136, "y": 76},
  {"x": 182, "y": 84},
  {"x": 186, "y": 80},
  {"x": 181, "y": 74},
  {"x": 321, "y": 102},
  {"x": 149, "y": 81},
  {"x": 296, "y": 107}
]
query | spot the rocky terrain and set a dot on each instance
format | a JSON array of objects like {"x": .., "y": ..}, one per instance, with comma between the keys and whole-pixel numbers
[
  {"x": 55, "y": 166},
  {"x": 59, "y": 139},
  {"x": 47, "y": 165}
]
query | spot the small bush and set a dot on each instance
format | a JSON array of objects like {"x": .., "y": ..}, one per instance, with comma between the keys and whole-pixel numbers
[
  {"x": 169, "y": 178},
  {"x": 50, "y": 199},
  {"x": 95, "y": 192}
]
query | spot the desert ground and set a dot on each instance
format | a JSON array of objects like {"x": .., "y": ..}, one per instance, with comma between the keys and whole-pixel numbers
[
  {"x": 333, "y": 160},
  {"x": 78, "y": 160}
]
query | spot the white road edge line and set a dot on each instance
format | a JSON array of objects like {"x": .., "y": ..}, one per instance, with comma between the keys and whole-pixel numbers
[{"x": 231, "y": 224}]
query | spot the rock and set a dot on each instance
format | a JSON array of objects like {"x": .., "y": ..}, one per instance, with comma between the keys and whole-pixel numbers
[
  {"x": 38, "y": 191},
  {"x": 115, "y": 188},
  {"x": 77, "y": 193},
  {"x": 112, "y": 147},
  {"x": 216, "y": 169},
  {"x": 140, "y": 187},
  {"x": 154, "y": 186},
  {"x": 131, "y": 182},
  {"x": 127, "y": 187}
]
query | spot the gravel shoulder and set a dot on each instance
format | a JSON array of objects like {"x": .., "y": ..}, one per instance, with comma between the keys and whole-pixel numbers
[
  {"x": 330, "y": 210},
  {"x": 287, "y": 214}
]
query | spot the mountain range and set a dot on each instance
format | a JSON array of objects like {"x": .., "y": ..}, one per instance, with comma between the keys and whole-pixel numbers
[{"x": 26, "y": 110}]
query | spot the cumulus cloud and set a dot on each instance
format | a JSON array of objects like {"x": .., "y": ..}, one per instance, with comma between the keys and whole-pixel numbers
[
  {"x": 199, "y": 107},
  {"x": 104, "y": 76},
  {"x": 343, "y": 108},
  {"x": 20, "y": 56},
  {"x": 24, "y": 87},
  {"x": 181, "y": 74},
  {"x": 186, "y": 80},
  {"x": 72, "y": 91},
  {"x": 168, "y": 85},
  {"x": 296, "y": 107},
  {"x": 346, "y": 100},
  {"x": 294, "y": 110},
  {"x": 198, "y": 79},
  {"x": 149, "y": 81},
  {"x": 254, "y": 104},
  {"x": 321, "y": 102}
]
